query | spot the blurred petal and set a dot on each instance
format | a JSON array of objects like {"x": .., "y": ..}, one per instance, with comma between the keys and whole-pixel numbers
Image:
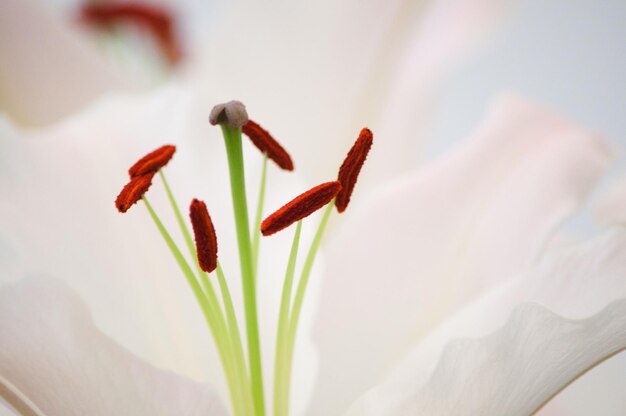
[
  {"x": 536, "y": 354},
  {"x": 47, "y": 72},
  {"x": 610, "y": 207},
  {"x": 53, "y": 354},
  {"x": 320, "y": 71},
  {"x": 435, "y": 239},
  {"x": 446, "y": 33}
]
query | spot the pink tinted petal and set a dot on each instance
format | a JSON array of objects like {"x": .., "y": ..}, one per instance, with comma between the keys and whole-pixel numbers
[
  {"x": 433, "y": 240},
  {"x": 446, "y": 33}
]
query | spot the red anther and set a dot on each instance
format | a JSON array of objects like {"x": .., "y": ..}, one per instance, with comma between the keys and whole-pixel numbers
[
  {"x": 153, "y": 161},
  {"x": 133, "y": 191},
  {"x": 300, "y": 207},
  {"x": 264, "y": 141},
  {"x": 158, "y": 21},
  {"x": 206, "y": 240},
  {"x": 351, "y": 166}
]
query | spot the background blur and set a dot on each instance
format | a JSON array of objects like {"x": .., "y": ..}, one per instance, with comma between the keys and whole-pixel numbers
[{"x": 568, "y": 54}]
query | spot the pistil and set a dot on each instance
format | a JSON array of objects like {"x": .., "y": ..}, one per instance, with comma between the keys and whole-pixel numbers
[{"x": 231, "y": 116}]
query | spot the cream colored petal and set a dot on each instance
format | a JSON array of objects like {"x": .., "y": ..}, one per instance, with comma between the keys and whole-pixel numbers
[
  {"x": 47, "y": 71},
  {"x": 52, "y": 353},
  {"x": 435, "y": 239},
  {"x": 575, "y": 284}
]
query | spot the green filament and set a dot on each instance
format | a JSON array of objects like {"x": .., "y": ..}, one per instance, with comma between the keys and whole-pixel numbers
[
  {"x": 256, "y": 239},
  {"x": 235, "y": 340},
  {"x": 208, "y": 310},
  {"x": 298, "y": 301},
  {"x": 236, "y": 352},
  {"x": 281, "y": 390}
]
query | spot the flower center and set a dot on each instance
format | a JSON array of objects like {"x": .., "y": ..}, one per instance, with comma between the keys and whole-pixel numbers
[{"x": 242, "y": 366}]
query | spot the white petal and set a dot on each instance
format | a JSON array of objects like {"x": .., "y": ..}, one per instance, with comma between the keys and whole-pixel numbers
[
  {"x": 600, "y": 391},
  {"x": 521, "y": 366},
  {"x": 46, "y": 71},
  {"x": 437, "y": 238},
  {"x": 53, "y": 354},
  {"x": 575, "y": 283}
]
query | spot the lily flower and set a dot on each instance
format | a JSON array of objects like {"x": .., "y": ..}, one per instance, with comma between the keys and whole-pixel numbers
[
  {"x": 396, "y": 292},
  {"x": 479, "y": 220}
]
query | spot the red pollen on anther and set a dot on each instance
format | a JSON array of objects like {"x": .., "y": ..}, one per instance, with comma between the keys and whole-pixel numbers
[
  {"x": 133, "y": 191},
  {"x": 264, "y": 141},
  {"x": 351, "y": 166},
  {"x": 204, "y": 232},
  {"x": 158, "y": 21},
  {"x": 153, "y": 161},
  {"x": 300, "y": 207}
]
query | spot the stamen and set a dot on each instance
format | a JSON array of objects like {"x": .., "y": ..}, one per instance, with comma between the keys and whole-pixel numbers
[
  {"x": 300, "y": 207},
  {"x": 264, "y": 141},
  {"x": 204, "y": 232},
  {"x": 232, "y": 113},
  {"x": 153, "y": 161},
  {"x": 351, "y": 166},
  {"x": 133, "y": 191},
  {"x": 157, "y": 21}
]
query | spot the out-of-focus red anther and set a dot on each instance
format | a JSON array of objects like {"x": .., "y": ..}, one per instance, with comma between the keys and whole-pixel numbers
[
  {"x": 158, "y": 21},
  {"x": 351, "y": 166},
  {"x": 300, "y": 207},
  {"x": 264, "y": 141},
  {"x": 133, "y": 191},
  {"x": 204, "y": 232},
  {"x": 153, "y": 161}
]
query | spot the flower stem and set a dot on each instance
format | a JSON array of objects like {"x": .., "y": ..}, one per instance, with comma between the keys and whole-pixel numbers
[
  {"x": 299, "y": 298},
  {"x": 281, "y": 390},
  {"x": 221, "y": 339},
  {"x": 256, "y": 232},
  {"x": 232, "y": 140}
]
